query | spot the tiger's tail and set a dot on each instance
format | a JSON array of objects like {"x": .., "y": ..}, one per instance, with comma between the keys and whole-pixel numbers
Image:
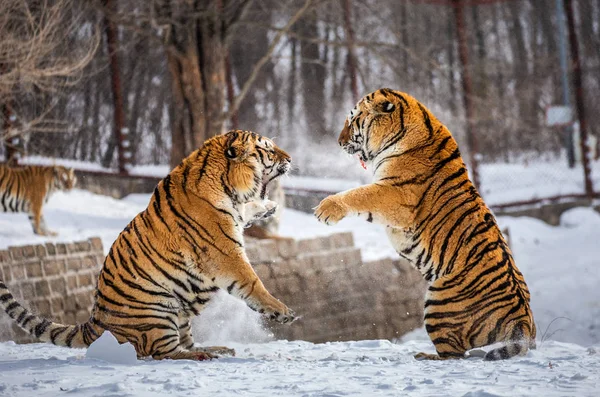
[
  {"x": 79, "y": 335},
  {"x": 521, "y": 339}
]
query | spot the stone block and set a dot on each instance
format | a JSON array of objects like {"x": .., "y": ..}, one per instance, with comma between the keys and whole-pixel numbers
[
  {"x": 311, "y": 245},
  {"x": 54, "y": 266},
  {"x": 342, "y": 240},
  {"x": 74, "y": 264},
  {"x": 71, "y": 248},
  {"x": 16, "y": 253},
  {"x": 33, "y": 270},
  {"x": 58, "y": 306},
  {"x": 72, "y": 282},
  {"x": 85, "y": 280},
  {"x": 89, "y": 262},
  {"x": 262, "y": 270},
  {"x": 96, "y": 244},
  {"x": 82, "y": 246},
  {"x": 18, "y": 271},
  {"x": 27, "y": 290},
  {"x": 69, "y": 318},
  {"x": 6, "y": 274},
  {"x": 28, "y": 251},
  {"x": 42, "y": 289},
  {"x": 266, "y": 251},
  {"x": 41, "y": 307},
  {"x": 61, "y": 249},
  {"x": 5, "y": 257},
  {"x": 40, "y": 251},
  {"x": 287, "y": 248},
  {"x": 70, "y": 304},
  {"x": 84, "y": 300},
  {"x": 58, "y": 286},
  {"x": 82, "y": 316},
  {"x": 50, "y": 249}
]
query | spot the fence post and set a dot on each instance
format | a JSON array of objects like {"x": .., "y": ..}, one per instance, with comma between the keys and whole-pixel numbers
[
  {"x": 467, "y": 86},
  {"x": 577, "y": 83}
]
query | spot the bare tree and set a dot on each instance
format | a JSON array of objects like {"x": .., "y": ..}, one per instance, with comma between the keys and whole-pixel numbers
[{"x": 37, "y": 58}]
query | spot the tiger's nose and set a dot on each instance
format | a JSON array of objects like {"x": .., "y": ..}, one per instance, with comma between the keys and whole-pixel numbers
[{"x": 345, "y": 134}]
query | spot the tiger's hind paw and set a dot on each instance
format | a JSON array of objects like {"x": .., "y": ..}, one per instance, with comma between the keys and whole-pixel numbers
[
  {"x": 426, "y": 356},
  {"x": 215, "y": 350}
]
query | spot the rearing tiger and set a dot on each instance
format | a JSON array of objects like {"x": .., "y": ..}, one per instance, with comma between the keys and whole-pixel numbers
[
  {"x": 176, "y": 254},
  {"x": 436, "y": 219},
  {"x": 26, "y": 189}
]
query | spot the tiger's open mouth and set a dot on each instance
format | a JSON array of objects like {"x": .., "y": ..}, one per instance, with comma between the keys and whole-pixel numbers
[
  {"x": 351, "y": 148},
  {"x": 282, "y": 169}
]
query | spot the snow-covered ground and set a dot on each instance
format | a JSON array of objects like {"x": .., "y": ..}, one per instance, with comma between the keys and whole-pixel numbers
[
  {"x": 281, "y": 368},
  {"x": 560, "y": 265}
]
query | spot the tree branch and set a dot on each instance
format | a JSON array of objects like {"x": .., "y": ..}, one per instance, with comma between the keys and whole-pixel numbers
[{"x": 259, "y": 65}]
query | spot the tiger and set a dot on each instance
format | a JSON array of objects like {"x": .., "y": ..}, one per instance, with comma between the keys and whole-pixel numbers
[
  {"x": 27, "y": 189},
  {"x": 171, "y": 259},
  {"x": 436, "y": 219}
]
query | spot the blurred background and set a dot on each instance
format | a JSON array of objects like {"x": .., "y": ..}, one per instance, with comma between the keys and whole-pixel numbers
[{"x": 132, "y": 86}]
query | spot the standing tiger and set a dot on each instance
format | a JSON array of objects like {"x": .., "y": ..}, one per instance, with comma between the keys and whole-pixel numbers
[
  {"x": 435, "y": 219},
  {"x": 176, "y": 254},
  {"x": 26, "y": 189}
]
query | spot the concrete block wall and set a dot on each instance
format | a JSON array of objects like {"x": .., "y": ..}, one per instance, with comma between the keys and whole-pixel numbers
[
  {"x": 339, "y": 296},
  {"x": 55, "y": 280}
]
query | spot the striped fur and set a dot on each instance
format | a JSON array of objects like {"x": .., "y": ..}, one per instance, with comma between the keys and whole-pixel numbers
[
  {"x": 176, "y": 254},
  {"x": 436, "y": 219},
  {"x": 26, "y": 189}
]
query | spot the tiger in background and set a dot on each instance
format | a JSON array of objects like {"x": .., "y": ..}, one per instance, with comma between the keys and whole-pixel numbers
[
  {"x": 436, "y": 219},
  {"x": 176, "y": 254},
  {"x": 27, "y": 189}
]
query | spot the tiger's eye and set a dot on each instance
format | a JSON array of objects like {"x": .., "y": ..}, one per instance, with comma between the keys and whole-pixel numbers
[
  {"x": 387, "y": 106},
  {"x": 230, "y": 153}
]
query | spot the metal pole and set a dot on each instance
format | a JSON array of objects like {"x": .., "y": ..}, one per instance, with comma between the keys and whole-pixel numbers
[
  {"x": 467, "y": 85},
  {"x": 577, "y": 83},
  {"x": 564, "y": 77}
]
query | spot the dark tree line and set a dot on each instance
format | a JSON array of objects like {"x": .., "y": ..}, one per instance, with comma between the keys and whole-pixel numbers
[{"x": 292, "y": 69}]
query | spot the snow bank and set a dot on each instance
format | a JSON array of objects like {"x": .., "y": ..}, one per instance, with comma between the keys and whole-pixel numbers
[{"x": 107, "y": 348}]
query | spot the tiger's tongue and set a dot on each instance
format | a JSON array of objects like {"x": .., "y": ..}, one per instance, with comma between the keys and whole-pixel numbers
[{"x": 362, "y": 163}]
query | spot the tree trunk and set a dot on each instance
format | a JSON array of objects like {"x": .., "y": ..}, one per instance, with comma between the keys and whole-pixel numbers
[
  {"x": 312, "y": 73},
  {"x": 196, "y": 61},
  {"x": 117, "y": 91}
]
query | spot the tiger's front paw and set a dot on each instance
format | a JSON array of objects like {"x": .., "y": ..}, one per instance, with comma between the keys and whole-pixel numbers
[
  {"x": 331, "y": 210},
  {"x": 257, "y": 210},
  {"x": 280, "y": 313}
]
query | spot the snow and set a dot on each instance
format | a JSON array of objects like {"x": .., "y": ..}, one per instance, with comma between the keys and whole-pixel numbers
[
  {"x": 560, "y": 264},
  {"x": 107, "y": 348},
  {"x": 282, "y": 368},
  {"x": 524, "y": 178}
]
